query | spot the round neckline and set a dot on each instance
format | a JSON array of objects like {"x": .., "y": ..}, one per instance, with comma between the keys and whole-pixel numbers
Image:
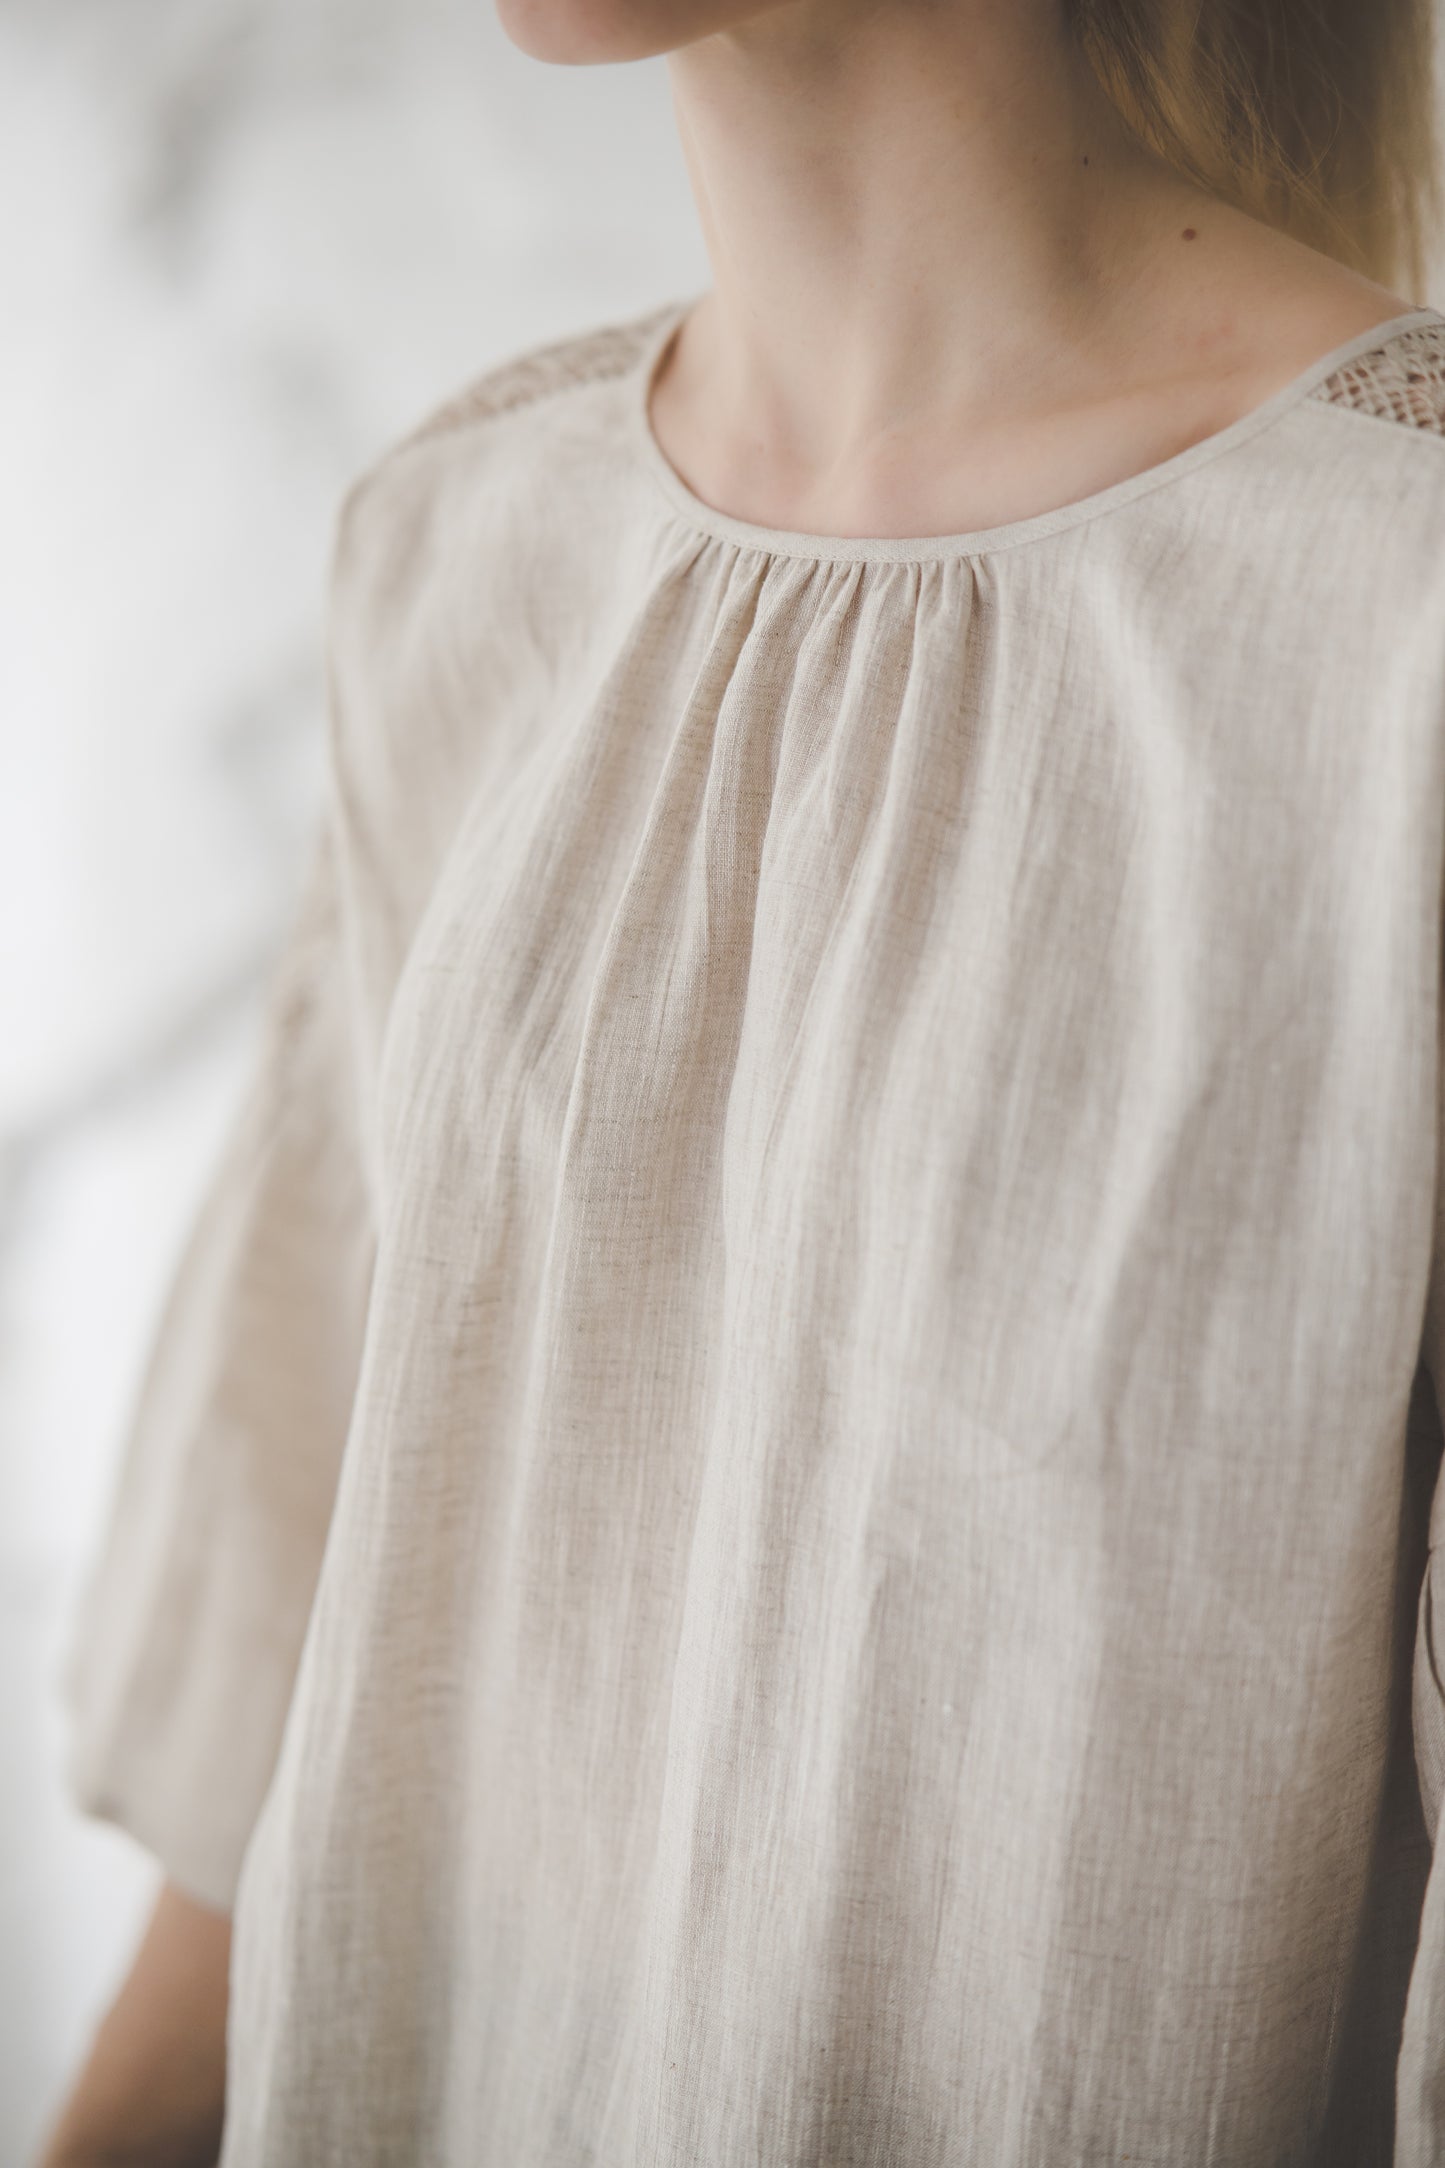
[{"x": 1010, "y": 534}]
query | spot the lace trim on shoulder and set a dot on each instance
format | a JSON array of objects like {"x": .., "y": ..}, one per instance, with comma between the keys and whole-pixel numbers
[
  {"x": 538, "y": 373},
  {"x": 1402, "y": 380}
]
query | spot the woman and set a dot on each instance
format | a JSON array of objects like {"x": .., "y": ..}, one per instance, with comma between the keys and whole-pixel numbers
[{"x": 847, "y": 1141}]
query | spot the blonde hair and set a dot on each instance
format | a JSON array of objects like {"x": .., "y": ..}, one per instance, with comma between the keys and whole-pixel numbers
[{"x": 1318, "y": 116}]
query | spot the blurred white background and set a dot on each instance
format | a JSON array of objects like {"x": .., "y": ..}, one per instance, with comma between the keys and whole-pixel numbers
[{"x": 244, "y": 243}]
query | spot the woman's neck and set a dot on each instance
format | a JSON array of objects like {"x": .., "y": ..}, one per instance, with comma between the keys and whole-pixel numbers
[{"x": 927, "y": 224}]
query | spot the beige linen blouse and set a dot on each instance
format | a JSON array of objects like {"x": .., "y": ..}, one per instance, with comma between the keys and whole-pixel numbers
[{"x": 781, "y": 1516}]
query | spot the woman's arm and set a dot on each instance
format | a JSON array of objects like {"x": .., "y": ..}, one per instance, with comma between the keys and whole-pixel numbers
[{"x": 152, "y": 2091}]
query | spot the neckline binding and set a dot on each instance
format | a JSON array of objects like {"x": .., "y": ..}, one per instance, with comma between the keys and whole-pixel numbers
[{"x": 901, "y": 549}]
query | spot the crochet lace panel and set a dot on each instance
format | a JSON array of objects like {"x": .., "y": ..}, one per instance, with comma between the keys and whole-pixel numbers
[
  {"x": 1402, "y": 380},
  {"x": 586, "y": 356}
]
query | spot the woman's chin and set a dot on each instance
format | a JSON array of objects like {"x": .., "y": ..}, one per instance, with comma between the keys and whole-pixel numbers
[{"x": 583, "y": 33}]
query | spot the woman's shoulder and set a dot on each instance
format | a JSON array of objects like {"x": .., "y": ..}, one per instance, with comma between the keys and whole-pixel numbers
[
  {"x": 524, "y": 379},
  {"x": 1340, "y": 475},
  {"x": 470, "y": 476},
  {"x": 464, "y": 556},
  {"x": 1372, "y": 451},
  {"x": 1397, "y": 378}
]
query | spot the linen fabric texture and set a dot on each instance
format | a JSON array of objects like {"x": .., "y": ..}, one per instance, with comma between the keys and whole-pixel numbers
[{"x": 783, "y": 1514}]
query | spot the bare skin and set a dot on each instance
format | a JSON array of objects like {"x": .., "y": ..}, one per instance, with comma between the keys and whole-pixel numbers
[
  {"x": 151, "y": 2093},
  {"x": 948, "y": 294}
]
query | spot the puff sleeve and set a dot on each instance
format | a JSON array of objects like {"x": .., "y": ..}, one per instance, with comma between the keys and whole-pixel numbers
[{"x": 184, "y": 1646}]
